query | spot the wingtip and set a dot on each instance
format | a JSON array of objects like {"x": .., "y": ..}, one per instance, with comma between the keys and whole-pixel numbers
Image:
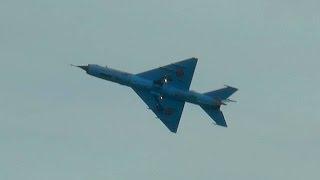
[
  {"x": 173, "y": 132},
  {"x": 225, "y": 126},
  {"x": 234, "y": 88},
  {"x": 195, "y": 59},
  {"x": 221, "y": 125}
]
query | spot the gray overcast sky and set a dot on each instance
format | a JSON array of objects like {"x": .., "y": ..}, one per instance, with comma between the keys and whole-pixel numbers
[{"x": 58, "y": 123}]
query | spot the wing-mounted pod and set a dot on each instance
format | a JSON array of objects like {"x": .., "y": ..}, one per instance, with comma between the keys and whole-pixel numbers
[{"x": 164, "y": 80}]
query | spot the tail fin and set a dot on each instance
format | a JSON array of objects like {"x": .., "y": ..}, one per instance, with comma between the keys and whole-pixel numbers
[
  {"x": 222, "y": 94},
  {"x": 216, "y": 115}
]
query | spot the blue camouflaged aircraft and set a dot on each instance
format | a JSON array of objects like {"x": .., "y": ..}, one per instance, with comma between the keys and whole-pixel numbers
[{"x": 166, "y": 89}]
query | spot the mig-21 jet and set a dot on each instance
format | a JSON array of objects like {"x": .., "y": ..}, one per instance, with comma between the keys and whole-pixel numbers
[{"x": 166, "y": 89}]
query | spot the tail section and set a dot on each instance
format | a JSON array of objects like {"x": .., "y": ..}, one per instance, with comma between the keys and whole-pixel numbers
[
  {"x": 222, "y": 94},
  {"x": 221, "y": 97},
  {"x": 216, "y": 115}
]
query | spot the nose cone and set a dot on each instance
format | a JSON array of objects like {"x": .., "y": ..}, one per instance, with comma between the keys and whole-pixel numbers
[{"x": 84, "y": 67}]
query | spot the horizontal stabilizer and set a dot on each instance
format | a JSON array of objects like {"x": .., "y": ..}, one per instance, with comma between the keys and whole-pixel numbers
[
  {"x": 223, "y": 93},
  {"x": 216, "y": 115}
]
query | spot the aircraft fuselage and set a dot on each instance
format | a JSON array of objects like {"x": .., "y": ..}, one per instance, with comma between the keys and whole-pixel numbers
[{"x": 159, "y": 91}]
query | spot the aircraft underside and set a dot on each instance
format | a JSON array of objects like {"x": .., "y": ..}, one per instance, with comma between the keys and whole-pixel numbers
[{"x": 166, "y": 89}]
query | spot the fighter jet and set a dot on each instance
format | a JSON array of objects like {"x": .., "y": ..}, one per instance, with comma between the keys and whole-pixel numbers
[{"x": 166, "y": 89}]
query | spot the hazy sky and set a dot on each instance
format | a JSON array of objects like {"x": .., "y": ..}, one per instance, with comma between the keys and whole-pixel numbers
[{"x": 56, "y": 122}]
